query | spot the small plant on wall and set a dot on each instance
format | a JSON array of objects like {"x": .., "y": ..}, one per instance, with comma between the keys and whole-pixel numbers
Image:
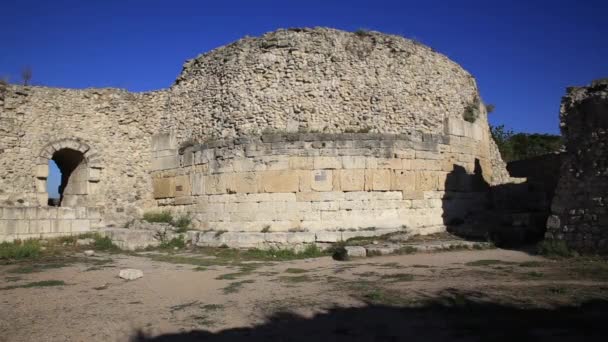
[{"x": 471, "y": 111}]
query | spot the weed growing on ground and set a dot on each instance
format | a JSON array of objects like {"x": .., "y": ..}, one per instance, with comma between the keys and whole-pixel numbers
[
  {"x": 178, "y": 242},
  {"x": 486, "y": 262},
  {"x": 554, "y": 248},
  {"x": 158, "y": 217},
  {"x": 44, "y": 283},
  {"x": 236, "y": 286},
  {"x": 397, "y": 277},
  {"x": 18, "y": 250},
  {"x": 295, "y": 270}
]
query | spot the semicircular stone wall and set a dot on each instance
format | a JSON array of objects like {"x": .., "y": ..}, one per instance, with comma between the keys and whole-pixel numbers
[{"x": 315, "y": 182}]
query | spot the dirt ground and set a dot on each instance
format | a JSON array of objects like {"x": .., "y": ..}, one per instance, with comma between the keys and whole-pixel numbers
[{"x": 458, "y": 295}]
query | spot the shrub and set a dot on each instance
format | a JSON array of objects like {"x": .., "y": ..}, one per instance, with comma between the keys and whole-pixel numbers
[
  {"x": 19, "y": 249},
  {"x": 471, "y": 111},
  {"x": 338, "y": 252},
  {"x": 103, "y": 243},
  {"x": 554, "y": 248},
  {"x": 266, "y": 229},
  {"x": 158, "y": 217},
  {"x": 175, "y": 242},
  {"x": 182, "y": 223}
]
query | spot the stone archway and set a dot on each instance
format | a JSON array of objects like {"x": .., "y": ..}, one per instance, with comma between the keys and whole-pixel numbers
[{"x": 80, "y": 170}]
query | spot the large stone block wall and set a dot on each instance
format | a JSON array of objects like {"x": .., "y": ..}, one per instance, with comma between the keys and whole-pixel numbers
[
  {"x": 319, "y": 182},
  {"x": 580, "y": 206},
  {"x": 21, "y": 223}
]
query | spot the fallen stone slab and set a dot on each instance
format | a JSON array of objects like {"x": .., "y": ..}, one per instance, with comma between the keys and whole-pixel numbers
[
  {"x": 130, "y": 274},
  {"x": 89, "y": 252},
  {"x": 356, "y": 251},
  {"x": 85, "y": 242}
]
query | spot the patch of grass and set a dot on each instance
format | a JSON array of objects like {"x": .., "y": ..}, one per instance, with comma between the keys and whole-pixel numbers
[
  {"x": 12, "y": 279},
  {"x": 534, "y": 274},
  {"x": 311, "y": 251},
  {"x": 200, "y": 268},
  {"x": 295, "y": 270},
  {"x": 104, "y": 243},
  {"x": 236, "y": 286},
  {"x": 174, "y": 242},
  {"x": 530, "y": 264},
  {"x": 397, "y": 277},
  {"x": 421, "y": 266},
  {"x": 164, "y": 216},
  {"x": 44, "y": 283},
  {"x": 180, "y": 307},
  {"x": 18, "y": 250},
  {"x": 212, "y": 307},
  {"x": 25, "y": 269},
  {"x": 182, "y": 223},
  {"x": 296, "y": 279},
  {"x": 266, "y": 229},
  {"x": 471, "y": 111},
  {"x": 589, "y": 268},
  {"x": 554, "y": 248},
  {"x": 367, "y": 274},
  {"x": 486, "y": 262},
  {"x": 406, "y": 250}
]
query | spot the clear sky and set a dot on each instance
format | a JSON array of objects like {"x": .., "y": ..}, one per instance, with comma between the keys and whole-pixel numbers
[{"x": 522, "y": 53}]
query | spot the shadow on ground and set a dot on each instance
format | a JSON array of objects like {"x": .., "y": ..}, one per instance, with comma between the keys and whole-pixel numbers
[{"x": 448, "y": 317}]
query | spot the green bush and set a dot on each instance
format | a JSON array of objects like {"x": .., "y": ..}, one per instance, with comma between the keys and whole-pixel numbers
[
  {"x": 19, "y": 249},
  {"x": 338, "y": 252},
  {"x": 158, "y": 217},
  {"x": 471, "y": 111},
  {"x": 178, "y": 242},
  {"x": 554, "y": 248},
  {"x": 103, "y": 243},
  {"x": 182, "y": 223}
]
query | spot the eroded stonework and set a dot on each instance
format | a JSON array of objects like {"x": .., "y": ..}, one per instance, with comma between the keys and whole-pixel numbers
[
  {"x": 356, "y": 117},
  {"x": 580, "y": 206}
]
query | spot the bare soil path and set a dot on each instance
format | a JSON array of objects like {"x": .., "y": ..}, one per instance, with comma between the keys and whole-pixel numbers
[{"x": 430, "y": 296}]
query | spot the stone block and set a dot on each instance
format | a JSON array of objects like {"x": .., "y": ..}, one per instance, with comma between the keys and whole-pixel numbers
[
  {"x": 356, "y": 251},
  {"x": 165, "y": 163},
  {"x": 378, "y": 180},
  {"x": 182, "y": 186},
  {"x": 29, "y": 213},
  {"x": 216, "y": 184},
  {"x": 353, "y": 162},
  {"x": 197, "y": 182},
  {"x": 403, "y": 180},
  {"x": 280, "y": 181},
  {"x": 163, "y": 141},
  {"x": 328, "y": 237},
  {"x": 301, "y": 163},
  {"x": 243, "y": 165},
  {"x": 426, "y": 180},
  {"x": 66, "y": 213},
  {"x": 321, "y": 180},
  {"x": 14, "y": 213},
  {"x": 245, "y": 183},
  {"x": 327, "y": 163},
  {"x": 350, "y": 180},
  {"x": 94, "y": 174},
  {"x": 163, "y": 187},
  {"x": 42, "y": 171}
]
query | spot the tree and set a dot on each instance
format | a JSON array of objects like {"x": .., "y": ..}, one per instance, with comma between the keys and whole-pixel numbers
[
  {"x": 518, "y": 146},
  {"x": 26, "y": 75}
]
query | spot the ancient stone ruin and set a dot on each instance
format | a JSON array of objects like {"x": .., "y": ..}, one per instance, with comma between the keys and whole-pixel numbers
[
  {"x": 298, "y": 136},
  {"x": 580, "y": 207}
]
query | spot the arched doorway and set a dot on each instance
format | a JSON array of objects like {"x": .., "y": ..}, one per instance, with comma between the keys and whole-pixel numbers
[
  {"x": 77, "y": 168},
  {"x": 73, "y": 186}
]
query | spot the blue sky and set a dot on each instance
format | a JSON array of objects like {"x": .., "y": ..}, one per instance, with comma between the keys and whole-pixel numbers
[{"x": 522, "y": 53}]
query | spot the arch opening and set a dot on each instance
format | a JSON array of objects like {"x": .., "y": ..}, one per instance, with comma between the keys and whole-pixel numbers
[{"x": 73, "y": 184}]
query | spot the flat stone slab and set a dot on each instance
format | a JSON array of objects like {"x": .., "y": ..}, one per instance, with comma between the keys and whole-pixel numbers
[
  {"x": 356, "y": 251},
  {"x": 423, "y": 246},
  {"x": 130, "y": 273}
]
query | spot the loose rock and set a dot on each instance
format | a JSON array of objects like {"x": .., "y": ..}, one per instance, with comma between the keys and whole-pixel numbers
[
  {"x": 89, "y": 252},
  {"x": 130, "y": 274}
]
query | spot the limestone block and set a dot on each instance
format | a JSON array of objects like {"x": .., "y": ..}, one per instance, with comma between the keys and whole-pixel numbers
[
  {"x": 42, "y": 171},
  {"x": 386, "y": 163},
  {"x": 413, "y": 194},
  {"x": 40, "y": 185},
  {"x": 305, "y": 177},
  {"x": 356, "y": 251},
  {"x": 197, "y": 181},
  {"x": 426, "y": 180},
  {"x": 66, "y": 213},
  {"x": 163, "y": 141},
  {"x": 80, "y": 212},
  {"x": 29, "y": 213},
  {"x": 44, "y": 226},
  {"x": 94, "y": 174},
  {"x": 454, "y": 126},
  {"x": 350, "y": 180},
  {"x": 301, "y": 163},
  {"x": 428, "y": 155},
  {"x": 327, "y": 163},
  {"x": 301, "y": 237},
  {"x": 165, "y": 163},
  {"x": 245, "y": 182},
  {"x": 243, "y": 165},
  {"x": 61, "y": 226},
  {"x": 320, "y": 196},
  {"x": 328, "y": 236},
  {"x": 403, "y": 180},
  {"x": 353, "y": 162},
  {"x": 182, "y": 186},
  {"x": 321, "y": 180},
  {"x": 379, "y": 179},
  {"x": 14, "y": 213},
  {"x": 163, "y": 187},
  {"x": 216, "y": 184},
  {"x": 280, "y": 181},
  {"x": 93, "y": 213},
  {"x": 406, "y": 164},
  {"x": 326, "y": 206}
]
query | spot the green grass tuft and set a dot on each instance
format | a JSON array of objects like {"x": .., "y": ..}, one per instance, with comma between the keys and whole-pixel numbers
[
  {"x": 158, "y": 216},
  {"x": 17, "y": 250},
  {"x": 554, "y": 248},
  {"x": 44, "y": 283}
]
